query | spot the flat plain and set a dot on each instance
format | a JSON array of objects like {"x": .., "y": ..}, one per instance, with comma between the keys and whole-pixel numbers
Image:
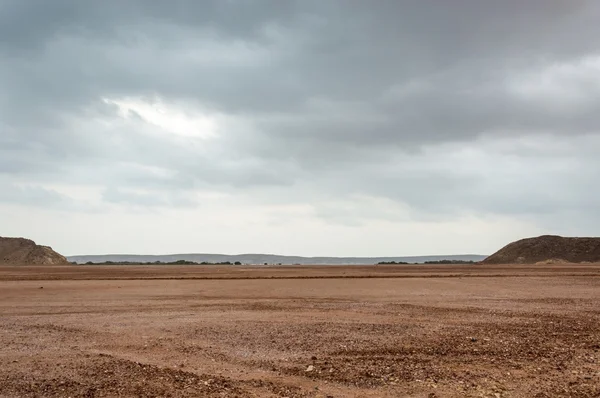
[{"x": 300, "y": 331}]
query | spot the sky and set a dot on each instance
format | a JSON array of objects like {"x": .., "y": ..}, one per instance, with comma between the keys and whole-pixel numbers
[{"x": 299, "y": 127}]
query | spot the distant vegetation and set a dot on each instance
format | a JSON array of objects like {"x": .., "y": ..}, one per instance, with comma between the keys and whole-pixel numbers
[
  {"x": 186, "y": 262},
  {"x": 429, "y": 262},
  {"x": 178, "y": 262}
]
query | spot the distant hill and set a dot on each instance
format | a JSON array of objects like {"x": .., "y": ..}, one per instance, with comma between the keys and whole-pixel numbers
[
  {"x": 548, "y": 248},
  {"x": 25, "y": 251},
  {"x": 264, "y": 258}
]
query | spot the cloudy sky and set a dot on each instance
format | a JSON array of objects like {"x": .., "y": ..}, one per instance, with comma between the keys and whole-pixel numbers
[{"x": 339, "y": 127}]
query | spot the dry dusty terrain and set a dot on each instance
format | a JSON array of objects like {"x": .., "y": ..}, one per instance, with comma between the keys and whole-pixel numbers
[{"x": 377, "y": 331}]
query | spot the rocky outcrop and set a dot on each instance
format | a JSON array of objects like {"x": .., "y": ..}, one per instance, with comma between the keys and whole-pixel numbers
[
  {"x": 26, "y": 251},
  {"x": 548, "y": 249}
]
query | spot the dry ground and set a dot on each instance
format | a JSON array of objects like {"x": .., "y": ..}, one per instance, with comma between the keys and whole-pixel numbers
[{"x": 376, "y": 331}]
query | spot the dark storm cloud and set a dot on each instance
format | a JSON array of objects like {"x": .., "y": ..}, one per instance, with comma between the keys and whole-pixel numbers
[
  {"x": 343, "y": 97},
  {"x": 262, "y": 56},
  {"x": 27, "y": 25}
]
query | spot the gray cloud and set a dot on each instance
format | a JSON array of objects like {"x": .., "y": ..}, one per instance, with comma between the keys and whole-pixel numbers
[
  {"x": 38, "y": 196},
  {"x": 317, "y": 102}
]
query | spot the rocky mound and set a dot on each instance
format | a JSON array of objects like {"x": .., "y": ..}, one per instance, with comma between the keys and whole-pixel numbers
[
  {"x": 548, "y": 249},
  {"x": 25, "y": 251}
]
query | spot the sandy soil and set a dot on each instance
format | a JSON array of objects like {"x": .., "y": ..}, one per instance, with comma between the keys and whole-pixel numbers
[{"x": 372, "y": 331}]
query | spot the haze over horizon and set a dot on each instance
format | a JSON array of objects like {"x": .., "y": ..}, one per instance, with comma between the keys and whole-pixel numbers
[{"x": 338, "y": 128}]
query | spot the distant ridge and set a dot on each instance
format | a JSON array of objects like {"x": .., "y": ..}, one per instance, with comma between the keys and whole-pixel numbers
[
  {"x": 264, "y": 258},
  {"x": 548, "y": 249}
]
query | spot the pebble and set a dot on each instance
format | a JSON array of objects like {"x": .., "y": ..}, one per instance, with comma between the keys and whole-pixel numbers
[{"x": 310, "y": 368}]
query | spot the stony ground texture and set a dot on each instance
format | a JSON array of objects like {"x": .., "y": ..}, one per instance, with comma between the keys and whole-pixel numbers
[{"x": 376, "y": 331}]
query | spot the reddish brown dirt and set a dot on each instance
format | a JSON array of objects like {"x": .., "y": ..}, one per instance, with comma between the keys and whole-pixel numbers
[{"x": 377, "y": 331}]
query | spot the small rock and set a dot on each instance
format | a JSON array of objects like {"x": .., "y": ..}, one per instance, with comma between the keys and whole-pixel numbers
[
  {"x": 314, "y": 358},
  {"x": 473, "y": 340},
  {"x": 310, "y": 368}
]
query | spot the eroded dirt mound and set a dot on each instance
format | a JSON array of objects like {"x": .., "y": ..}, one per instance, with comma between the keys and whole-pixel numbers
[
  {"x": 548, "y": 249},
  {"x": 25, "y": 251}
]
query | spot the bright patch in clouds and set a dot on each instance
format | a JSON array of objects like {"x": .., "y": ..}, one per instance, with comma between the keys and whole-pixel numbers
[{"x": 178, "y": 119}]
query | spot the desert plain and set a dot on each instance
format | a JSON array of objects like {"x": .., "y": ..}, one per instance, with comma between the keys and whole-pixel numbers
[{"x": 300, "y": 331}]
